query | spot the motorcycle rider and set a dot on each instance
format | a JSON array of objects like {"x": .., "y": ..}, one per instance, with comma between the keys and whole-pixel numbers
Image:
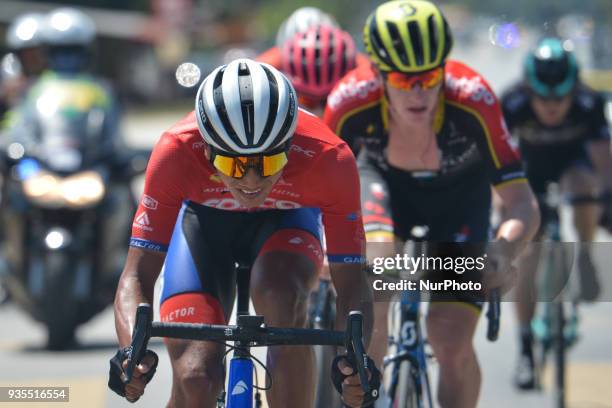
[{"x": 68, "y": 124}]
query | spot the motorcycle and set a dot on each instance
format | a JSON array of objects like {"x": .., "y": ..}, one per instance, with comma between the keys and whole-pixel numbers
[{"x": 66, "y": 213}]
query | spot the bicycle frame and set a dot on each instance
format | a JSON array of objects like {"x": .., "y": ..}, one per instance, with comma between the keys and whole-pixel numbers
[
  {"x": 411, "y": 346},
  {"x": 411, "y": 343},
  {"x": 240, "y": 384},
  {"x": 555, "y": 329},
  {"x": 250, "y": 331}
]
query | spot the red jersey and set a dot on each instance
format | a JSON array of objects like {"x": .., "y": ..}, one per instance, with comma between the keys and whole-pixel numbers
[{"x": 321, "y": 173}]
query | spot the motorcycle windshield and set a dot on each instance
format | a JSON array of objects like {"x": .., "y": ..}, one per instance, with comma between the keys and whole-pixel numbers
[{"x": 71, "y": 114}]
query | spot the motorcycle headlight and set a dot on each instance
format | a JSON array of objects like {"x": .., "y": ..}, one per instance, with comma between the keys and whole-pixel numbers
[
  {"x": 42, "y": 188},
  {"x": 83, "y": 189},
  {"x": 80, "y": 190}
]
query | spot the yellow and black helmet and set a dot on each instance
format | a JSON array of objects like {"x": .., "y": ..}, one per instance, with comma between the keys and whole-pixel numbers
[{"x": 407, "y": 36}]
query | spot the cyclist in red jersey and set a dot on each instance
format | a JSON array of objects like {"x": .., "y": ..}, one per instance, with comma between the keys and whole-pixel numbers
[
  {"x": 243, "y": 179},
  {"x": 315, "y": 60},
  {"x": 432, "y": 141},
  {"x": 300, "y": 21}
]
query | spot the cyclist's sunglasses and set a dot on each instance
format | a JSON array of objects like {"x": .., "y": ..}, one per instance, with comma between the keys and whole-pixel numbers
[
  {"x": 236, "y": 166},
  {"x": 406, "y": 82}
]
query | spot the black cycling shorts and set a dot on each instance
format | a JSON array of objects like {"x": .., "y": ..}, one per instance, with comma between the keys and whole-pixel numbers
[
  {"x": 199, "y": 278},
  {"x": 456, "y": 217}
]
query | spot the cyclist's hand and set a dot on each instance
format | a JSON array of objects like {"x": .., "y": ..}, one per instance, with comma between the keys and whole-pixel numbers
[
  {"x": 350, "y": 387},
  {"x": 499, "y": 271},
  {"x": 143, "y": 373}
]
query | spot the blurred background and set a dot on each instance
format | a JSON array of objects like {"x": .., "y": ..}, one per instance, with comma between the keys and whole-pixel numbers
[{"x": 138, "y": 46}]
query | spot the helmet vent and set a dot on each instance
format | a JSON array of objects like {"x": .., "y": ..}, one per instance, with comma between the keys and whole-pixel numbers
[
  {"x": 396, "y": 40},
  {"x": 417, "y": 43},
  {"x": 434, "y": 40}
]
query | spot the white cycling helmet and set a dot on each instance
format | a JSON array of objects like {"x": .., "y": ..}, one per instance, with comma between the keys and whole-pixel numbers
[
  {"x": 300, "y": 21},
  {"x": 246, "y": 107},
  {"x": 68, "y": 26},
  {"x": 25, "y": 31}
]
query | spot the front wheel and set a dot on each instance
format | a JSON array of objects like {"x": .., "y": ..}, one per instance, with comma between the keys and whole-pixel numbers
[
  {"x": 59, "y": 305},
  {"x": 408, "y": 391}
]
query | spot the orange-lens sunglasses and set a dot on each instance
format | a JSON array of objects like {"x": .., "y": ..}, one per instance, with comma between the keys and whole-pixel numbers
[
  {"x": 237, "y": 166},
  {"x": 427, "y": 80}
]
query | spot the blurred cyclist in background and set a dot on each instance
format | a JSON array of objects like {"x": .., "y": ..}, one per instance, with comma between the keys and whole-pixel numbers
[
  {"x": 432, "y": 141},
  {"x": 315, "y": 60},
  {"x": 26, "y": 60},
  {"x": 563, "y": 137},
  {"x": 298, "y": 22}
]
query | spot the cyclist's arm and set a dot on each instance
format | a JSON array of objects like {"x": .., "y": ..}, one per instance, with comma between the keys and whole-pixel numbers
[
  {"x": 599, "y": 153},
  {"x": 521, "y": 217},
  {"x": 354, "y": 293},
  {"x": 345, "y": 237},
  {"x": 135, "y": 286},
  {"x": 151, "y": 232},
  {"x": 599, "y": 144}
]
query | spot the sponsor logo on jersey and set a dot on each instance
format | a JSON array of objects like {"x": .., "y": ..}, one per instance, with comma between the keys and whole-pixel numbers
[
  {"x": 230, "y": 204},
  {"x": 144, "y": 244},
  {"x": 142, "y": 222},
  {"x": 472, "y": 88},
  {"x": 182, "y": 312},
  {"x": 513, "y": 175},
  {"x": 282, "y": 182},
  {"x": 352, "y": 89},
  {"x": 149, "y": 202},
  {"x": 352, "y": 216},
  {"x": 285, "y": 193},
  {"x": 216, "y": 190},
  {"x": 198, "y": 145},
  {"x": 296, "y": 240},
  {"x": 346, "y": 258},
  {"x": 300, "y": 149}
]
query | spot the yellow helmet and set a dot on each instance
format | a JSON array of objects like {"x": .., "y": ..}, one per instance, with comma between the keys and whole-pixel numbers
[{"x": 407, "y": 36}]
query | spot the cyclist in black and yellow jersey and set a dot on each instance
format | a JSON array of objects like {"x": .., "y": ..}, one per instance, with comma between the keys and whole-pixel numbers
[{"x": 432, "y": 141}]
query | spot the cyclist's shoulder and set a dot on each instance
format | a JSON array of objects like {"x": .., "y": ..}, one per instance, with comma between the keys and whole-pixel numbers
[
  {"x": 467, "y": 88},
  {"x": 311, "y": 131},
  {"x": 183, "y": 134},
  {"x": 588, "y": 100},
  {"x": 515, "y": 99},
  {"x": 359, "y": 87},
  {"x": 271, "y": 56}
]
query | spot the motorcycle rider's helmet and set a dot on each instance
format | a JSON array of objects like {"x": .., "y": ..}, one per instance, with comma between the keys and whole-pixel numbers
[
  {"x": 69, "y": 35},
  {"x": 24, "y": 39}
]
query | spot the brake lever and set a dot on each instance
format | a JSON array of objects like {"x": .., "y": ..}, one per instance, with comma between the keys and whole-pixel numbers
[
  {"x": 356, "y": 350},
  {"x": 140, "y": 339}
]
